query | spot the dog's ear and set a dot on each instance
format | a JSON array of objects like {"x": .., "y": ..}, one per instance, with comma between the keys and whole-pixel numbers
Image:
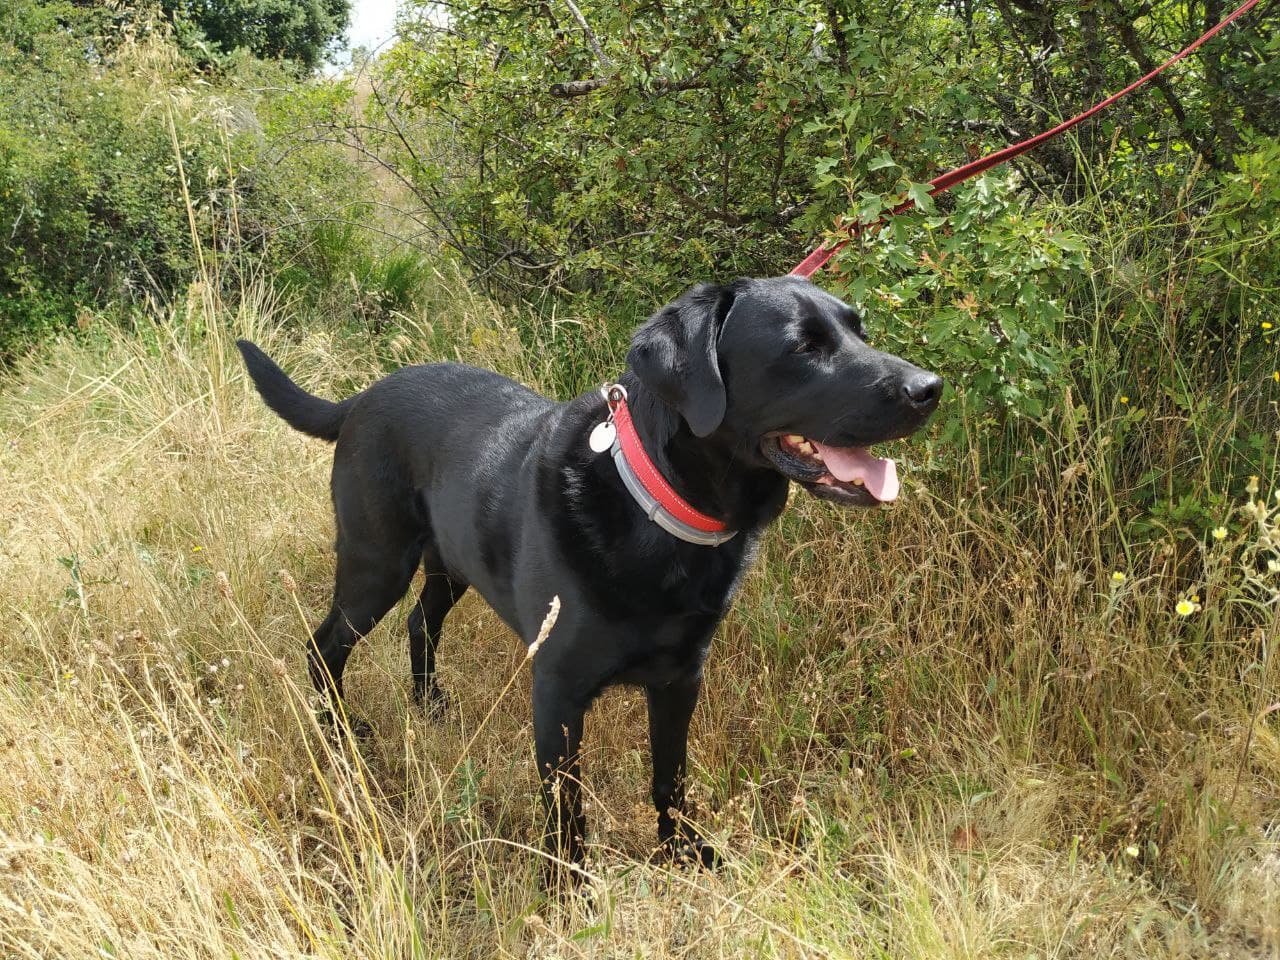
[{"x": 674, "y": 355}]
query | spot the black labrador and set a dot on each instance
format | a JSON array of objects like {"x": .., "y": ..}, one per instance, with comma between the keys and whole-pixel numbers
[{"x": 734, "y": 390}]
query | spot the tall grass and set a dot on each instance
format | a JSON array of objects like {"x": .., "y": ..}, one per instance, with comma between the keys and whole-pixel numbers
[
  {"x": 945, "y": 730},
  {"x": 973, "y": 725}
]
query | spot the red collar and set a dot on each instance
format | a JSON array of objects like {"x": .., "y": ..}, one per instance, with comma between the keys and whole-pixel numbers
[{"x": 646, "y": 484}]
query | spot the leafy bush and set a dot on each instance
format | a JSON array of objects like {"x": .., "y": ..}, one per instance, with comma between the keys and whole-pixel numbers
[
  {"x": 978, "y": 295},
  {"x": 298, "y": 30},
  {"x": 564, "y": 145},
  {"x": 87, "y": 196},
  {"x": 126, "y": 173},
  {"x": 613, "y": 154}
]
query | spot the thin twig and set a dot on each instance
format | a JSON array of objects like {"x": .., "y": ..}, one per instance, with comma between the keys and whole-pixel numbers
[{"x": 591, "y": 37}]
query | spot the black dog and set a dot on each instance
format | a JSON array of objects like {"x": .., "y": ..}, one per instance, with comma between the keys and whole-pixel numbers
[{"x": 733, "y": 391}]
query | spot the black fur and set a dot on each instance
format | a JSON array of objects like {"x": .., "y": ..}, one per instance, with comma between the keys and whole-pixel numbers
[
  {"x": 310, "y": 414},
  {"x": 489, "y": 485}
]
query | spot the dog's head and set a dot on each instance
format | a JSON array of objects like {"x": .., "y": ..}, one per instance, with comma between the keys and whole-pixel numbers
[{"x": 782, "y": 373}]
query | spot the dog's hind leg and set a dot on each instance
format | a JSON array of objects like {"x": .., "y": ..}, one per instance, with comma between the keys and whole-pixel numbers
[
  {"x": 370, "y": 579},
  {"x": 439, "y": 593}
]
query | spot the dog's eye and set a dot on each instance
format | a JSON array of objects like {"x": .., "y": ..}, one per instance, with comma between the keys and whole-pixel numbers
[{"x": 813, "y": 334}]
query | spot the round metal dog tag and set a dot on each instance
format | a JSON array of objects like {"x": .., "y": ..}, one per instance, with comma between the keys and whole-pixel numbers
[{"x": 602, "y": 435}]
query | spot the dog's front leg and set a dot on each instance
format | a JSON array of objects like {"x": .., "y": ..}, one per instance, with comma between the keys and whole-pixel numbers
[
  {"x": 557, "y": 730},
  {"x": 670, "y": 709}
]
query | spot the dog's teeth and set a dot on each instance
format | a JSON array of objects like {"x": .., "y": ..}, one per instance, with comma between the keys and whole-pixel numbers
[
  {"x": 805, "y": 446},
  {"x": 794, "y": 438},
  {"x": 857, "y": 481}
]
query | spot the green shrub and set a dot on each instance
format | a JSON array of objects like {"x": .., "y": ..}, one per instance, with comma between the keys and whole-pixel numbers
[
  {"x": 610, "y": 155},
  {"x": 561, "y": 147},
  {"x": 125, "y": 172},
  {"x": 298, "y": 30},
  {"x": 90, "y": 208}
]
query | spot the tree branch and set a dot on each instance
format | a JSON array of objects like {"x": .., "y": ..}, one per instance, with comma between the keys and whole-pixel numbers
[
  {"x": 590, "y": 35},
  {"x": 581, "y": 88},
  {"x": 1132, "y": 43}
]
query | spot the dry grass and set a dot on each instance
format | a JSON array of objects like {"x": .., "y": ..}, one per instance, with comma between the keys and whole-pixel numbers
[{"x": 943, "y": 731}]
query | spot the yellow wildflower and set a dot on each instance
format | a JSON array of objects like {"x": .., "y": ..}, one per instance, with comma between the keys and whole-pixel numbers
[
  {"x": 1118, "y": 577},
  {"x": 1185, "y": 608},
  {"x": 1219, "y": 533}
]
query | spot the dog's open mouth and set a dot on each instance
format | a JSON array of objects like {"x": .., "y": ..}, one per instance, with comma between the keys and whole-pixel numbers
[{"x": 847, "y": 475}]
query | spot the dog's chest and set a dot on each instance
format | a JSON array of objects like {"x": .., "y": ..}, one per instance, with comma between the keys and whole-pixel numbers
[
  {"x": 656, "y": 651},
  {"x": 687, "y": 581}
]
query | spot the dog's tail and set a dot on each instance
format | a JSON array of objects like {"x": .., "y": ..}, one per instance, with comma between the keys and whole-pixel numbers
[{"x": 301, "y": 410}]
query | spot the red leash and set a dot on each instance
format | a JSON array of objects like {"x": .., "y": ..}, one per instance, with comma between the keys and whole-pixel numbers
[{"x": 816, "y": 260}]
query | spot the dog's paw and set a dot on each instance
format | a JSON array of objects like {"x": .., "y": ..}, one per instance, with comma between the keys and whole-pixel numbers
[
  {"x": 354, "y": 731},
  {"x": 361, "y": 730},
  {"x": 433, "y": 702},
  {"x": 567, "y": 881},
  {"x": 688, "y": 852},
  {"x": 341, "y": 728},
  {"x": 436, "y": 704}
]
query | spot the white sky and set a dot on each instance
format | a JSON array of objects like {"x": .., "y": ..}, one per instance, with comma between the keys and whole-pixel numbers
[{"x": 372, "y": 22}]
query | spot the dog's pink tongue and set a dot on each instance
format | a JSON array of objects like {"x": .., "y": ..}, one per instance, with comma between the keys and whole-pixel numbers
[{"x": 846, "y": 464}]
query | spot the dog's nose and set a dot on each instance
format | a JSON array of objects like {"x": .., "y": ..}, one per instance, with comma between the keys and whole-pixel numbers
[{"x": 922, "y": 389}]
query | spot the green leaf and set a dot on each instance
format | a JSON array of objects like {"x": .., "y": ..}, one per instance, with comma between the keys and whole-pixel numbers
[
  {"x": 882, "y": 161},
  {"x": 870, "y": 207},
  {"x": 919, "y": 193}
]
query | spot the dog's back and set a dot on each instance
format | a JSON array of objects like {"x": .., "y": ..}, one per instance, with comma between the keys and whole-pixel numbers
[{"x": 424, "y": 459}]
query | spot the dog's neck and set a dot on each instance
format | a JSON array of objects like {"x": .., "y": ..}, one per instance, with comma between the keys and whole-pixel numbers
[{"x": 715, "y": 475}]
